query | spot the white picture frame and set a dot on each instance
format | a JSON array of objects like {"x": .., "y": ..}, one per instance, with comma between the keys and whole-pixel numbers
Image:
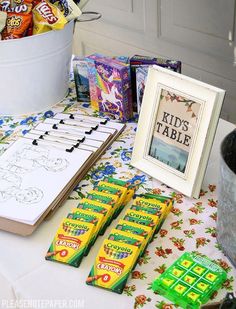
[{"x": 176, "y": 128}]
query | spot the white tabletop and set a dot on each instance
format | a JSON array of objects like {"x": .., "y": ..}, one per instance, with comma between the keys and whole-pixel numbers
[{"x": 26, "y": 275}]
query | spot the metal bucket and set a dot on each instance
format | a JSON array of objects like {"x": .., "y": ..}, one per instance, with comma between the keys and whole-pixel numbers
[
  {"x": 34, "y": 71},
  {"x": 226, "y": 217}
]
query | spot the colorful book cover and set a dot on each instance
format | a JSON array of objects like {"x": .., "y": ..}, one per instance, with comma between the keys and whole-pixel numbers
[
  {"x": 141, "y": 76},
  {"x": 80, "y": 67},
  {"x": 138, "y": 61},
  {"x": 113, "y": 89}
]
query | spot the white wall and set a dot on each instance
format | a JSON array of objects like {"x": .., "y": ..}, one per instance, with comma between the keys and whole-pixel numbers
[{"x": 200, "y": 33}]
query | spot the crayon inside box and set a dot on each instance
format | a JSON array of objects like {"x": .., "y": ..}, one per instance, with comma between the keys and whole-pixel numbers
[
  {"x": 112, "y": 266},
  {"x": 70, "y": 242},
  {"x": 190, "y": 281}
]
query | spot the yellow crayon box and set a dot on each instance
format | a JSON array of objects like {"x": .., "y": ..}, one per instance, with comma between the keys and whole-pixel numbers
[
  {"x": 168, "y": 200},
  {"x": 90, "y": 217},
  {"x": 137, "y": 229},
  {"x": 123, "y": 190},
  {"x": 149, "y": 210},
  {"x": 142, "y": 219},
  {"x": 152, "y": 203},
  {"x": 110, "y": 199},
  {"x": 130, "y": 188},
  {"x": 112, "y": 265},
  {"x": 94, "y": 206},
  {"x": 70, "y": 242},
  {"x": 103, "y": 197},
  {"x": 111, "y": 191},
  {"x": 127, "y": 238}
]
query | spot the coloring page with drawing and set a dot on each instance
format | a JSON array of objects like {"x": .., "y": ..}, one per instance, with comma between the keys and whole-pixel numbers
[{"x": 31, "y": 178}]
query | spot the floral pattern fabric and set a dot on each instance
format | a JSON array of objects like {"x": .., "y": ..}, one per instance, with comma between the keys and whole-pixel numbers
[{"x": 191, "y": 226}]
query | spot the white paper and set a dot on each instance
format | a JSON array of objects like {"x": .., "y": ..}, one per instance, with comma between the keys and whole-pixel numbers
[
  {"x": 58, "y": 132},
  {"x": 31, "y": 177}
]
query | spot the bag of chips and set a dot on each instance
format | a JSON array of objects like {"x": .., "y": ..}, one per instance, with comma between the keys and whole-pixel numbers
[
  {"x": 47, "y": 16},
  {"x": 16, "y": 25},
  {"x": 68, "y": 8}
]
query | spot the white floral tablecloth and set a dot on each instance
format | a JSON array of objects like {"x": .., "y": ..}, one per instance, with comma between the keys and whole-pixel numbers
[{"x": 191, "y": 226}]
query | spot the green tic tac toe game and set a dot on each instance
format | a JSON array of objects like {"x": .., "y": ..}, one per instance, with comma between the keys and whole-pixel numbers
[{"x": 190, "y": 281}]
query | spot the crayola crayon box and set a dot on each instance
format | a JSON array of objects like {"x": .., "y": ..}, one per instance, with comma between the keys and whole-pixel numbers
[
  {"x": 107, "y": 189},
  {"x": 121, "y": 192},
  {"x": 142, "y": 204},
  {"x": 136, "y": 229},
  {"x": 106, "y": 198},
  {"x": 102, "y": 197},
  {"x": 148, "y": 210},
  {"x": 112, "y": 266},
  {"x": 169, "y": 201},
  {"x": 87, "y": 216},
  {"x": 111, "y": 191},
  {"x": 70, "y": 242},
  {"x": 143, "y": 219},
  {"x": 94, "y": 206},
  {"x": 121, "y": 188},
  {"x": 130, "y": 188},
  {"x": 127, "y": 238}
]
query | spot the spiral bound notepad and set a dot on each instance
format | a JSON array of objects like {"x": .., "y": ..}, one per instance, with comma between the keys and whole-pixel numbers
[{"x": 60, "y": 150}]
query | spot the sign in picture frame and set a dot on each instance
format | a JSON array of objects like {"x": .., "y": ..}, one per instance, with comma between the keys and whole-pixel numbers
[{"x": 176, "y": 129}]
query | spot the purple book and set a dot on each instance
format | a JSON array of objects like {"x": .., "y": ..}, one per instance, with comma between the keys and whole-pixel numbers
[
  {"x": 138, "y": 60},
  {"x": 113, "y": 89}
]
